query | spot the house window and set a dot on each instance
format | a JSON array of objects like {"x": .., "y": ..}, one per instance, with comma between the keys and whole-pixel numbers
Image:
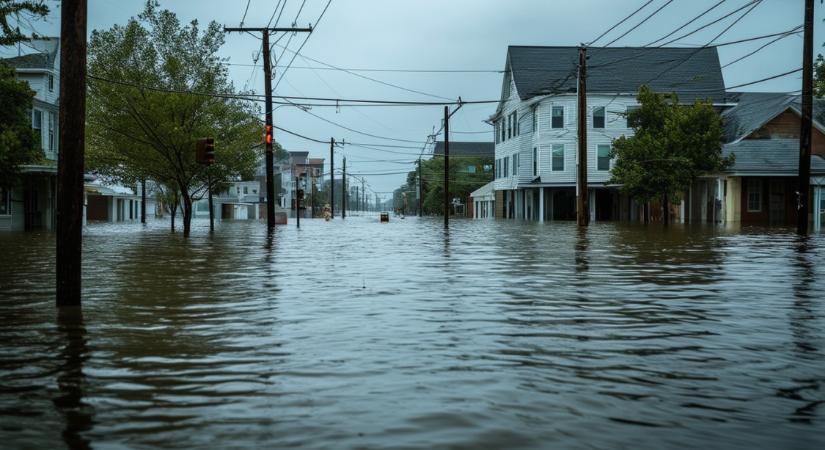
[
  {"x": 535, "y": 161},
  {"x": 516, "y": 127},
  {"x": 603, "y": 157},
  {"x": 558, "y": 117},
  {"x": 506, "y": 166},
  {"x": 515, "y": 164},
  {"x": 503, "y": 126},
  {"x": 630, "y": 109},
  {"x": 496, "y": 132},
  {"x": 558, "y": 158},
  {"x": 37, "y": 119},
  {"x": 535, "y": 119},
  {"x": 245, "y": 190},
  {"x": 598, "y": 117},
  {"x": 52, "y": 120},
  {"x": 51, "y": 83},
  {"x": 471, "y": 169},
  {"x": 754, "y": 195},
  {"x": 5, "y": 202}
]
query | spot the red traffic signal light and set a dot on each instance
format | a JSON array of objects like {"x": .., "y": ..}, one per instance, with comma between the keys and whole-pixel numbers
[
  {"x": 268, "y": 134},
  {"x": 205, "y": 153}
]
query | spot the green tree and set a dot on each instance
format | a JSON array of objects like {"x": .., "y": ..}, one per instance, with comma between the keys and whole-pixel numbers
[
  {"x": 819, "y": 76},
  {"x": 463, "y": 181},
  {"x": 11, "y": 34},
  {"x": 158, "y": 86},
  {"x": 18, "y": 142},
  {"x": 671, "y": 145}
]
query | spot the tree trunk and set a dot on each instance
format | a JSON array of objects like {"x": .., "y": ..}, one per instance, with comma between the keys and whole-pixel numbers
[
  {"x": 646, "y": 212},
  {"x": 173, "y": 211},
  {"x": 666, "y": 209},
  {"x": 187, "y": 214},
  {"x": 211, "y": 212}
]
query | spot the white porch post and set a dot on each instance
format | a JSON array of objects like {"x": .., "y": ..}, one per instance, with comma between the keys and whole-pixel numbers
[
  {"x": 817, "y": 208},
  {"x": 541, "y": 205},
  {"x": 591, "y": 193}
]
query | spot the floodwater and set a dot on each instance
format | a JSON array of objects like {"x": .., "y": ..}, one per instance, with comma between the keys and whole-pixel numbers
[{"x": 358, "y": 334}]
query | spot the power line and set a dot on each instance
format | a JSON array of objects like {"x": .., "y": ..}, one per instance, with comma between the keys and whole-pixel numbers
[
  {"x": 782, "y": 36},
  {"x": 246, "y": 10},
  {"x": 283, "y": 74},
  {"x": 686, "y": 24},
  {"x": 711, "y": 23},
  {"x": 619, "y": 23},
  {"x": 351, "y": 72},
  {"x": 640, "y": 23}
]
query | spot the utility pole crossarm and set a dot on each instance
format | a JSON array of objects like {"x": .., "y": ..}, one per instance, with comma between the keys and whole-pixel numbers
[{"x": 267, "y": 30}]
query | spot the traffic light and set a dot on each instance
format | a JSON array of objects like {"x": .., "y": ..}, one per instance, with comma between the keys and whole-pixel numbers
[
  {"x": 268, "y": 134},
  {"x": 300, "y": 194},
  {"x": 205, "y": 151}
]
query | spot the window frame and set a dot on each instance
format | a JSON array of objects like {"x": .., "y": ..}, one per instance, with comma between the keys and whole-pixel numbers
[
  {"x": 553, "y": 117},
  {"x": 535, "y": 161},
  {"x": 39, "y": 114},
  {"x": 52, "y": 119},
  {"x": 553, "y": 149},
  {"x": 600, "y": 158},
  {"x": 603, "y": 117},
  {"x": 754, "y": 182},
  {"x": 535, "y": 118}
]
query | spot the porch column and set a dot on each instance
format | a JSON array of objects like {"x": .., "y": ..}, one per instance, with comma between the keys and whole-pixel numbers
[
  {"x": 541, "y": 205},
  {"x": 817, "y": 208},
  {"x": 591, "y": 193}
]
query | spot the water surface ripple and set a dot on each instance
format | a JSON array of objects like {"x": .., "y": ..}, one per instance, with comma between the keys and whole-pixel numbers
[{"x": 361, "y": 335}]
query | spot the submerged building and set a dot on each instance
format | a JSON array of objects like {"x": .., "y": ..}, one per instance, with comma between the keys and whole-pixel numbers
[{"x": 536, "y": 136}]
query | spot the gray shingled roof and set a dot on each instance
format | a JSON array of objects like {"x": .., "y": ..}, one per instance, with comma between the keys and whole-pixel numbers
[
  {"x": 31, "y": 61},
  {"x": 755, "y": 109},
  {"x": 692, "y": 73},
  {"x": 480, "y": 149},
  {"x": 769, "y": 156}
]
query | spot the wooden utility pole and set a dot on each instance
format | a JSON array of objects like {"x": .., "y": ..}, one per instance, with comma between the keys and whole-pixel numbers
[
  {"x": 298, "y": 202},
  {"x": 420, "y": 188},
  {"x": 143, "y": 201},
  {"x": 344, "y": 193},
  {"x": 270, "y": 133},
  {"x": 804, "y": 182},
  {"x": 70, "y": 160},
  {"x": 446, "y": 166},
  {"x": 332, "y": 177},
  {"x": 582, "y": 206}
]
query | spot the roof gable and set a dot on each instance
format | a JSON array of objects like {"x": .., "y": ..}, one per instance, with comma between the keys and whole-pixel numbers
[
  {"x": 694, "y": 73},
  {"x": 754, "y": 110}
]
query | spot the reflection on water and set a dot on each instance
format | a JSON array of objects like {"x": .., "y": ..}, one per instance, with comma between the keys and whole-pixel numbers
[{"x": 360, "y": 334}]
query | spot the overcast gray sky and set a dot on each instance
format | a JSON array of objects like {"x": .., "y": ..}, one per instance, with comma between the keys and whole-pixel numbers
[{"x": 448, "y": 34}]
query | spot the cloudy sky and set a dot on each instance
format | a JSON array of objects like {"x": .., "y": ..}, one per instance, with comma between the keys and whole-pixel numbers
[{"x": 449, "y": 36}]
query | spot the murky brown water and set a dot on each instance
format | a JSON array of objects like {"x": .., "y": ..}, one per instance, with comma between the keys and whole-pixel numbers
[{"x": 362, "y": 335}]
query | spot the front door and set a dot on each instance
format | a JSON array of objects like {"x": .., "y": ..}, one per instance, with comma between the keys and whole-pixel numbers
[{"x": 776, "y": 203}]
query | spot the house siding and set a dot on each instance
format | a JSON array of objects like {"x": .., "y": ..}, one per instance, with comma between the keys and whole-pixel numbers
[{"x": 787, "y": 125}]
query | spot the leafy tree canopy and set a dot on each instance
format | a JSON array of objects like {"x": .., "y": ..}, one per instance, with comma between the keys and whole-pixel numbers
[
  {"x": 671, "y": 145},
  {"x": 143, "y": 118}
]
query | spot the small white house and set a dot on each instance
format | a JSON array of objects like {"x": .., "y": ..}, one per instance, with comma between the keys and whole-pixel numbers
[{"x": 484, "y": 201}]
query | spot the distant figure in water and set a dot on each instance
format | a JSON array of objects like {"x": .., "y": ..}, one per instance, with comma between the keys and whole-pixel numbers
[{"x": 327, "y": 212}]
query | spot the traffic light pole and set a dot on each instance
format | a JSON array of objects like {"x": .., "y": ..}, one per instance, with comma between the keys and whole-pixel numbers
[{"x": 270, "y": 175}]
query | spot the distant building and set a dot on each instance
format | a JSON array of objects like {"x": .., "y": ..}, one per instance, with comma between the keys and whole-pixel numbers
[{"x": 31, "y": 204}]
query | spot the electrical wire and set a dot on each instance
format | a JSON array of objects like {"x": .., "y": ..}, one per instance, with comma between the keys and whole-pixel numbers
[
  {"x": 640, "y": 23},
  {"x": 703, "y": 13},
  {"x": 283, "y": 74},
  {"x": 619, "y": 23}
]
